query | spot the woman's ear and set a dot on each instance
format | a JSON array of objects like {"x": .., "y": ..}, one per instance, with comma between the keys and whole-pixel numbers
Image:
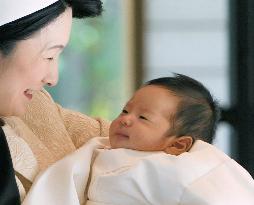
[{"x": 179, "y": 145}]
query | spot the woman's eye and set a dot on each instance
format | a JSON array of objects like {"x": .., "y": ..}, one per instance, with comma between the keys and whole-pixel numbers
[
  {"x": 50, "y": 59},
  {"x": 142, "y": 117}
]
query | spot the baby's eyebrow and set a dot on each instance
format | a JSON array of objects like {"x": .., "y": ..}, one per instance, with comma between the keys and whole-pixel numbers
[
  {"x": 148, "y": 111},
  {"x": 128, "y": 104}
]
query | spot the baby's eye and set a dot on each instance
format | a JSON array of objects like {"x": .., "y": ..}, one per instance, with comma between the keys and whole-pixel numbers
[
  {"x": 50, "y": 59},
  {"x": 124, "y": 111},
  {"x": 142, "y": 117}
]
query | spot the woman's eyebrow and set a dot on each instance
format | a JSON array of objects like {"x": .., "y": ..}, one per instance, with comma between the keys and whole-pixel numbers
[{"x": 56, "y": 46}]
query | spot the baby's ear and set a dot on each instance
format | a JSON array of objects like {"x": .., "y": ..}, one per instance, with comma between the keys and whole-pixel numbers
[{"x": 179, "y": 145}]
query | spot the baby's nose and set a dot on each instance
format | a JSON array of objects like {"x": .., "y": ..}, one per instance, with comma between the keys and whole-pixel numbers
[{"x": 126, "y": 121}]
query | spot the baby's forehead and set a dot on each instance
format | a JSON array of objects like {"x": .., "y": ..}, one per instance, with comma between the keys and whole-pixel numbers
[
  {"x": 163, "y": 102},
  {"x": 155, "y": 92}
]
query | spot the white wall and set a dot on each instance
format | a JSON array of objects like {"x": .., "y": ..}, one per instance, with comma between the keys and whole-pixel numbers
[{"x": 190, "y": 37}]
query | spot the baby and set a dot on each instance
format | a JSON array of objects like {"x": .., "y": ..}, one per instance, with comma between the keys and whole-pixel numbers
[
  {"x": 159, "y": 153},
  {"x": 166, "y": 114},
  {"x": 165, "y": 129}
]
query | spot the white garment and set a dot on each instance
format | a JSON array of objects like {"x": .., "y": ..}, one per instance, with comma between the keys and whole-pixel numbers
[
  {"x": 64, "y": 182},
  {"x": 202, "y": 176}
]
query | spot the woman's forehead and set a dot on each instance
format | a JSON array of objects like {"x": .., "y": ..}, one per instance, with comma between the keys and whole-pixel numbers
[
  {"x": 57, "y": 32},
  {"x": 56, "y": 35}
]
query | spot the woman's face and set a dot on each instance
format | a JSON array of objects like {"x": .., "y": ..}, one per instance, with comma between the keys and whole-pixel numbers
[{"x": 32, "y": 64}]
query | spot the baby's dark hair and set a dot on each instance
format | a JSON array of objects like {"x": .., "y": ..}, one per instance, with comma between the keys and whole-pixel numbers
[{"x": 197, "y": 113}]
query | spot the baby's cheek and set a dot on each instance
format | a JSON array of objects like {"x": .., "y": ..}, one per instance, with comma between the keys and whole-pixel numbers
[
  {"x": 114, "y": 124},
  {"x": 111, "y": 129}
]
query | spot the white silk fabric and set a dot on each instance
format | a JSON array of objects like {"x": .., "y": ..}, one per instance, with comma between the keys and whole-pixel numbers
[{"x": 202, "y": 176}]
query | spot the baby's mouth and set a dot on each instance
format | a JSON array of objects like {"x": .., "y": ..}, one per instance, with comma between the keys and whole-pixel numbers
[{"x": 122, "y": 135}]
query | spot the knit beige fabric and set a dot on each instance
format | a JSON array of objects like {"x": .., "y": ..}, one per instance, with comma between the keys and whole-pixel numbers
[{"x": 46, "y": 134}]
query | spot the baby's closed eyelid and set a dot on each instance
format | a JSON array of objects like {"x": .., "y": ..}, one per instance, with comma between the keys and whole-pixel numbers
[
  {"x": 124, "y": 111},
  {"x": 143, "y": 117}
]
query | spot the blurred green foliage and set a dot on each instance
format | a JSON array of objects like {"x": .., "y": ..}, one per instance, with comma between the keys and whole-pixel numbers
[{"x": 90, "y": 68}]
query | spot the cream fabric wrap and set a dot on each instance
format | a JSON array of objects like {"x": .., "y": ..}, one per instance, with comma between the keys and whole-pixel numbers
[
  {"x": 46, "y": 134},
  {"x": 203, "y": 176}
]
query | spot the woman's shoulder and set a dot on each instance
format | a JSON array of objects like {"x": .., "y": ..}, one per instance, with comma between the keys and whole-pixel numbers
[
  {"x": 53, "y": 131},
  {"x": 24, "y": 162},
  {"x": 22, "y": 156}
]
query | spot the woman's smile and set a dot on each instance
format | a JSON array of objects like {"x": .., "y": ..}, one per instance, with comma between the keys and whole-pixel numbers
[{"x": 29, "y": 94}]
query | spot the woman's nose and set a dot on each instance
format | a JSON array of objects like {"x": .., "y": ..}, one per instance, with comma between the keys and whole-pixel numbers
[{"x": 51, "y": 78}]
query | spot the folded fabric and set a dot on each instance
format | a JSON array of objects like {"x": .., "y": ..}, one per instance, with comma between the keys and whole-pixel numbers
[
  {"x": 204, "y": 175},
  {"x": 64, "y": 182}
]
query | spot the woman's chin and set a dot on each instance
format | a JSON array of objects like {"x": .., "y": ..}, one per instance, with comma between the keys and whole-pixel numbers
[{"x": 19, "y": 110}]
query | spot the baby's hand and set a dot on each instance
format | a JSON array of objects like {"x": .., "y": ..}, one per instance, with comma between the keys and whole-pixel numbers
[{"x": 106, "y": 147}]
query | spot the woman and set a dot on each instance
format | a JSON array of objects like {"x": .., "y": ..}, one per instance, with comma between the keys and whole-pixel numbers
[{"x": 35, "y": 132}]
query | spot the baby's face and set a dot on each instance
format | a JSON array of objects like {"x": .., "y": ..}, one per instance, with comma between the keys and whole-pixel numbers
[{"x": 144, "y": 123}]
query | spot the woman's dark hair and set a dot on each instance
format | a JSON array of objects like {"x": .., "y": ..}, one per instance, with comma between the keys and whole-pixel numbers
[
  {"x": 24, "y": 27},
  {"x": 197, "y": 113},
  {"x": 1, "y": 122}
]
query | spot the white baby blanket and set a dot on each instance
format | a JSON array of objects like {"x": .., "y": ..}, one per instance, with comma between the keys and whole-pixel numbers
[{"x": 202, "y": 176}]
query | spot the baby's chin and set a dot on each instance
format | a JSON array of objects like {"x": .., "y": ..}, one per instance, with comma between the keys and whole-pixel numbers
[
  {"x": 118, "y": 145},
  {"x": 119, "y": 141}
]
